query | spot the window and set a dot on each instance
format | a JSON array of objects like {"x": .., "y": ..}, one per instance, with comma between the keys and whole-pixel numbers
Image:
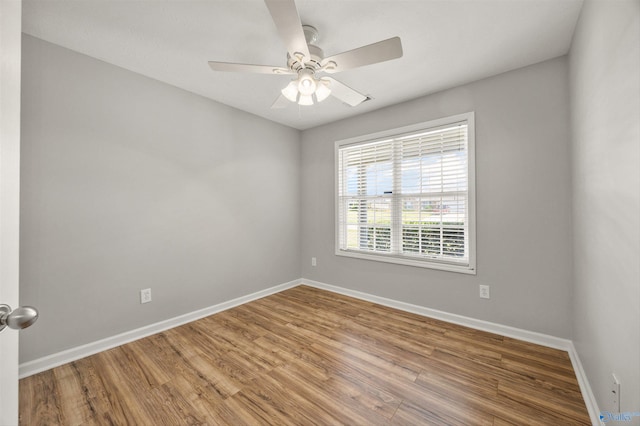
[{"x": 407, "y": 195}]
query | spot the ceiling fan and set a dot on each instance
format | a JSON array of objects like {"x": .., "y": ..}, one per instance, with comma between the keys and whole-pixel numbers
[{"x": 307, "y": 61}]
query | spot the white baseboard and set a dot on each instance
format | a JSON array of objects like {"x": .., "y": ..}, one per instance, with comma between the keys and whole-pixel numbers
[
  {"x": 585, "y": 388},
  {"x": 503, "y": 330},
  {"x": 54, "y": 360}
]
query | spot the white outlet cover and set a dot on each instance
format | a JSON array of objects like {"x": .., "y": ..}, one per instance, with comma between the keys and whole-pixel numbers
[
  {"x": 145, "y": 295},
  {"x": 615, "y": 393},
  {"x": 485, "y": 292}
]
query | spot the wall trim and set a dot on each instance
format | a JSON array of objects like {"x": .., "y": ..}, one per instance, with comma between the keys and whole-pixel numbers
[
  {"x": 585, "y": 388},
  {"x": 54, "y": 360}
]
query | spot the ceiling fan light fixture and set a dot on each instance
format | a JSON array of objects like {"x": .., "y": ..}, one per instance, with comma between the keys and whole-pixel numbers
[
  {"x": 302, "y": 89},
  {"x": 291, "y": 91},
  {"x": 322, "y": 91}
]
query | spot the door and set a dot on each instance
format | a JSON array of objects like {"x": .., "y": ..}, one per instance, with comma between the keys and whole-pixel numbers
[{"x": 10, "y": 42}]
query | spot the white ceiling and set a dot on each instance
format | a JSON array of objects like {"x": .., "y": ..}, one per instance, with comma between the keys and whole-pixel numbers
[{"x": 446, "y": 43}]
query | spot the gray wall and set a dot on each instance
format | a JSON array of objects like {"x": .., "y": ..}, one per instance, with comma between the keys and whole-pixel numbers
[
  {"x": 129, "y": 183},
  {"x": 523, "y": 203},
  {"x": 605, "y": 102}
]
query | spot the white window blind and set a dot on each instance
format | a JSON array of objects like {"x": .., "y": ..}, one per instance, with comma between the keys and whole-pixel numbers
[{"x": 406, "y": 196}]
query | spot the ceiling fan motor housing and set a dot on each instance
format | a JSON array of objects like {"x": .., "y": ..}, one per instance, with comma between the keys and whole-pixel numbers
[{"x": 296, "y": 64}]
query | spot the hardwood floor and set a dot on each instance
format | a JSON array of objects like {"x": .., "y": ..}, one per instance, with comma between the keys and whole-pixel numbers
[{"x": 307, "y": 356}]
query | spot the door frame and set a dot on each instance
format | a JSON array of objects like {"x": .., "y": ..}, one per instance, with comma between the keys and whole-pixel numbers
[{"x": 10, "y": 68}]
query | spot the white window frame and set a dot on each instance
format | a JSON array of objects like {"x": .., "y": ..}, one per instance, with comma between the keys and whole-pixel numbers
[{"x": 471, "y": 196}]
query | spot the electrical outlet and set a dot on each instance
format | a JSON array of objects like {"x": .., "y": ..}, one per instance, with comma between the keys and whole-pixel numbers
[
  {"x": 314, "y": 262},
  {"x": 484, "y": 292},
  {"x": 145, "y": 295},
  {"x": 615, "y": 393}
]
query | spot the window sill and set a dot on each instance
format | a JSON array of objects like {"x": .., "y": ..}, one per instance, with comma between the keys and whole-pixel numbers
[{"x": 462, "y": 269}]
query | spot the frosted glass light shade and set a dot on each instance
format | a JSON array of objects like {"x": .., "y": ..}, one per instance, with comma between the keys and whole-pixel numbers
[
  {"x": 305, "y": 100},
  {"x": 291, "y": 91},
  {"x": 323, "y": 91}
]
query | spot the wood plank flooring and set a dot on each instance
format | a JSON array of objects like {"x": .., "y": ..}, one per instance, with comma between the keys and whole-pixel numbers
[{"x": 304, "y": 357}]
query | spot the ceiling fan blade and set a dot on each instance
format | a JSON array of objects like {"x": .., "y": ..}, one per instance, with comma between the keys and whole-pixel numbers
[
  {"x": 345, "y": 93},
  {"x": 280, "y": 103},
  {"x": 366, "y": 55},
  {"x": 285, "y": 15},
  {"x": 261, "y": 69}
]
